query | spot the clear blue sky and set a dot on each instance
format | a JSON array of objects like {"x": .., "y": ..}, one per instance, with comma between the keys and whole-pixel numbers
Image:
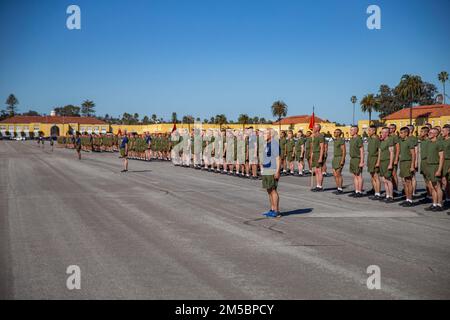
[{"x": 204, "y": 57}]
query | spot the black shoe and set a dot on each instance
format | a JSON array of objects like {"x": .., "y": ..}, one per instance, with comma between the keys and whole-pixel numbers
[
  {"x": 438, "y": 209},
  {"x": 352, "y": 195},
  {"x": 371, "y": 192},
  {"x": 430, "y": 208},
  {"x": 338, "y": 192},
  {"x": 376, "y": 197},
  {"x": 388, "y": 200},
  {"x": 406, "y": 204},
  {"x": 359, "y": 195}
]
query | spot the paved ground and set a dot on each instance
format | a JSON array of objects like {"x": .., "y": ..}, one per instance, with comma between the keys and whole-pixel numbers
[{"x": 164, "y": 232}]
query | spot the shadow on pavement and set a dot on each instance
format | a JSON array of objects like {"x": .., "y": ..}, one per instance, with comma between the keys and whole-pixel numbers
[{"x": 295, "y": 212}]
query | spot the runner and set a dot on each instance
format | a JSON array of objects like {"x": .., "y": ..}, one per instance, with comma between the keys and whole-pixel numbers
[
  {"x": 78, "y": 144},
  {"x": 148, "y": 142},
  {"x": 356, "y": 161},
  {"x": 407, "y": 165},
  {"x": 338, "y": 159},
  {"x": 271, "y": 173},
  {"x": 372, "y": 159},
  {"x": 124, "y": 151}
]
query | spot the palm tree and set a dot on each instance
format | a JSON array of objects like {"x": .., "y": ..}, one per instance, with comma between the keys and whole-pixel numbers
[
  {"x": 243, "y": 119},
  {"x": 279, "y": 110},
  {"x": 410, "y": 89},
  {"x": 354, "y": 99},
  {"x": 443, "y": 77},
  {"x": 369, "y": 104},
  {"x": 188, "y": 119},
  {"x": 11, "y": 102},
  {"x": 87, "y": 108},
  {"x": 220, "y": 119}
]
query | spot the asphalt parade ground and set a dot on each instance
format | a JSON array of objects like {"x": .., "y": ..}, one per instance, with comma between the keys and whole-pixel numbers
[{"x": 166, "y": 232}]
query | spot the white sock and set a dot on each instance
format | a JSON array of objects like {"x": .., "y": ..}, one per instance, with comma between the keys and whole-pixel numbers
[{"x": 377, "y": 194}]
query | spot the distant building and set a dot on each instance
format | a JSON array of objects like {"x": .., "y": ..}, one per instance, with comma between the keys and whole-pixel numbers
[
  {"x": 436, "y": 115},
  {"x": 51, "y": 125}
]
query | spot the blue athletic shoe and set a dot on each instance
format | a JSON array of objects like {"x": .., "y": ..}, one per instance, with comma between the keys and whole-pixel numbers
[
  {"x": 268, "y": 213},
  {"x": 274, "y": 214}
]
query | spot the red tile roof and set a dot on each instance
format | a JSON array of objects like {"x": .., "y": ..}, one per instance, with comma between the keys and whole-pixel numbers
[
  {"x": 434, "y": 111},
  {"x": 299, "y": 119},
  {"x": 51, "y": 120}
]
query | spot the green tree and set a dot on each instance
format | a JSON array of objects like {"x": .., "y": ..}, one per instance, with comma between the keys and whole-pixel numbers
[
  {"x": 154, "y": 118},
  {"x": 410, "y": 91},
  {"x": 145, "y": 120},
  {"x": 279, "y": 111},
  {"x": 68, "y": 111},
  {"x": 88, "y": 108},
  {"x": 188, "y": 119},
  {"x": 220, "y": 119},
  {"x": 353, "y": 100},
  {"x": 443, "y": 77},
  {"x": 31, "y": 113},
  {"x": 243, "y": 119},
  {"x": 369, "y": 104},
  {"x": 11, "y": 103}
]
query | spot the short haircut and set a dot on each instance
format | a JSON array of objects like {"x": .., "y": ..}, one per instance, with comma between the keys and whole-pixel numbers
[
  {"x": 393, "y": 125},
  {"x": 425, "y": 129},
  {"x": 405, "y": 129},
  {"x": 385, "y": 128},
  {"x": 373, "y": 127},
  {"x": 447, "y": 126}
]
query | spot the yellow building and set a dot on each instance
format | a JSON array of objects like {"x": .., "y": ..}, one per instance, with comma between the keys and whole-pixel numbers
[
  {"x": 51, "y": 125},
  {"x": 436, "y": 115}
]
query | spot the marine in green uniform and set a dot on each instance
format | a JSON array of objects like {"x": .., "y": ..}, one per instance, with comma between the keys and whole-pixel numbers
[
  {"x": 446, "y": 168},
  {"x": 396, "y": 140},
  {"x": 373, "y": 144},
  {"x": 317, "y": 150},
  {"x": 290, "y": 155},
  {"x": 386, "y": 156},
  {"x": 356, "y": 161},
  {"x": 283, "y": 141},
  {"x": 435, "y": 163},
  {"x": 339, "y": 153},
  {"x": 299, "y": 150},
  {"x": 407, "y": 164}
]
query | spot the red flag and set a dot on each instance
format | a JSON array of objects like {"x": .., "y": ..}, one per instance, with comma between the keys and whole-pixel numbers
[
  {"x": 174, "y": 127},
  {"x": 312, "y": 121}
]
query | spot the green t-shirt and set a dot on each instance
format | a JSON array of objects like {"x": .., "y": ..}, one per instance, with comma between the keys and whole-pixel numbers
[
  {"x": 446, "y": 145},
  {"x": 405, "y": 149},
  {"x": 316, "y": 141},
  {"x": 424, "y": 149},
  {"x": 434, "y": 147},
  {"x": 338, "y": 143},
  {"x": 355, "y": 144},
  {"x": 290, "y": 145},
  {"x": 384, "y": 149},
  {"x": 283, "y": 145},
  {"x": 414, "y": 140},
  {"x": 372, "y": 147},
  {"x": 299, "y": 143}
]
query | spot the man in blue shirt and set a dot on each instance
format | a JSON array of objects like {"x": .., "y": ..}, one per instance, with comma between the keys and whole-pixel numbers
[
  {"x": 124, "y": 151},
  {"x": 270, "y": 172},
  {"x": 78, "y": 145},
  {"x": 148, "y": 151}
]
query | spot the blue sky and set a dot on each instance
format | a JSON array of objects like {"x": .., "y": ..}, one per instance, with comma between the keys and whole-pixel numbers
[{"x": 204, "y": 57}]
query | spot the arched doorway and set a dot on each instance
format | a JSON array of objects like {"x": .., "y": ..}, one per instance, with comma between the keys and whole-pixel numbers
[{"x": 54, "y": 131}]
